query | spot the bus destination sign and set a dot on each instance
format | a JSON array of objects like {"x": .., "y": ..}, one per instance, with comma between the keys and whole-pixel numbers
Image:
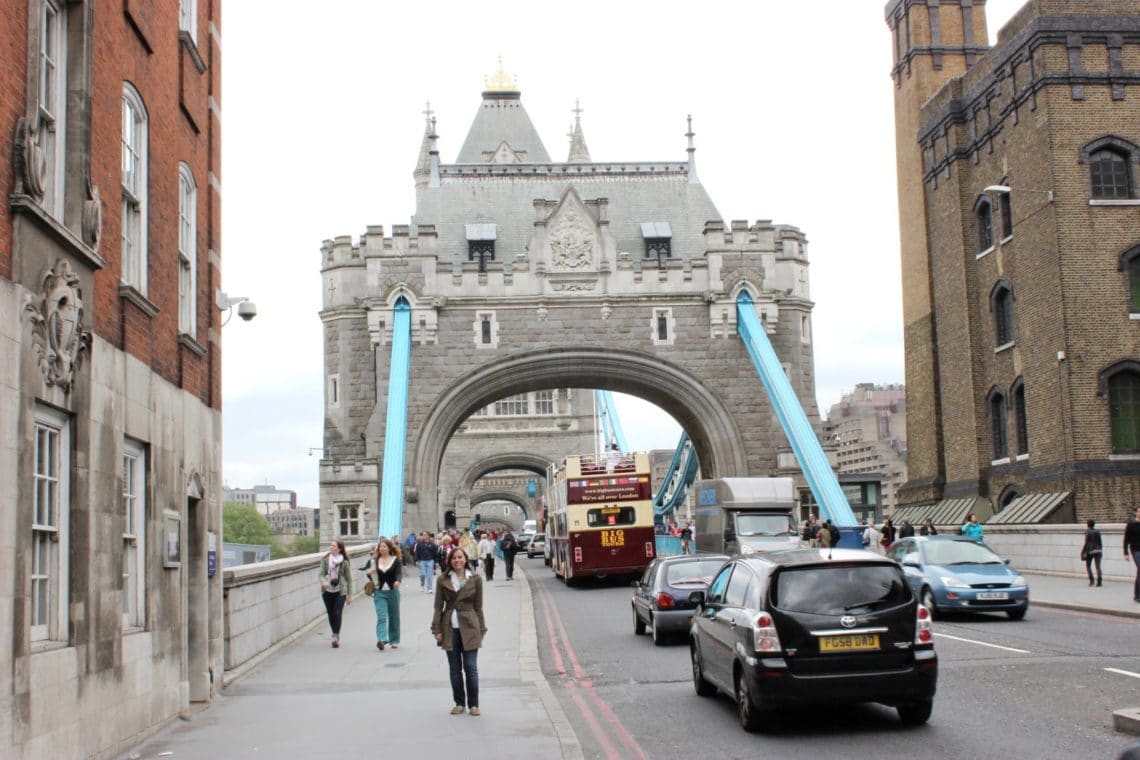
[{"x": 595, "y": 490}]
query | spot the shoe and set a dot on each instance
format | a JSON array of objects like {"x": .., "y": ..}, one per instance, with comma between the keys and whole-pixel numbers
[
  {"x": 458, "y": 710},
  {"x": 380, "y": 645},
  {"x": 1090, "y": 584},
  {"x": 336, "y": 642},
  {"x": 1099, "y": 582},
  {"x": 475, "y": 712},
  {"x": 395, "y": 646}
]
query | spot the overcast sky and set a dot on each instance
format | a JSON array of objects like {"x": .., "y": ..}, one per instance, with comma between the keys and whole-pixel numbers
[{"x": 792, "y": 106}]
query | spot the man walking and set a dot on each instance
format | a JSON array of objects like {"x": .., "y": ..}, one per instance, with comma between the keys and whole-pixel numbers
[
  {"x": 1132, "y": 548},
  {"x": 509, "y": 547},
  {"x": 487, "y": 556},
  {"x": 424, "y": 554}
]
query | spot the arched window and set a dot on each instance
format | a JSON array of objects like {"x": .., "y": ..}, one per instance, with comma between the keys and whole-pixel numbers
[
  {"x": 999, "y": 430},
  {"x": 1130, "y": 265},
  {"x": 1124, "y": 410},
  {"x": 1020, "y": 423},
  {"x": 134, "y": 216},
  {"x": 984, "y": 224},
  {"x": 1001, "y": 305},
  {"x": 1110, "y": 175},
  {"x": 1008, "y": 496},
  {"x": 187, "y": 250}
]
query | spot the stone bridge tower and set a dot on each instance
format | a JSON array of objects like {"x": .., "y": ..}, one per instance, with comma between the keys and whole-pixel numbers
[{"x": 524, "y": 274}]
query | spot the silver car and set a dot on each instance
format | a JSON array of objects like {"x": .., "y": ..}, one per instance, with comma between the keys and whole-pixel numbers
[{"x": 537, "y": 546}]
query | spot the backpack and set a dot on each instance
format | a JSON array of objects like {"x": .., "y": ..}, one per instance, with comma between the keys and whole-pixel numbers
[{"x": 833, "y": 533}]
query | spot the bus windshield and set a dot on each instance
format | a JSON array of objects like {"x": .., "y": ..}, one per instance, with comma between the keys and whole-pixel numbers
[{"x": 765, "y": 524}]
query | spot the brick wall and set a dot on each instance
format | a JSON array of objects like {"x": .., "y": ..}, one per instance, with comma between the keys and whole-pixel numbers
[{"x": 13, "y": 103}]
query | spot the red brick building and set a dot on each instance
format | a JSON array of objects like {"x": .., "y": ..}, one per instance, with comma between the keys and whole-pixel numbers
[
  {"x": 1019, "y": 198},
  {"x": 110, "y": 370}
]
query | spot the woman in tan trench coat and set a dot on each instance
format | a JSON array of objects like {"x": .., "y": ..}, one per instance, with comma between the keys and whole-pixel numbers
[{"x": 458, "y": 626}]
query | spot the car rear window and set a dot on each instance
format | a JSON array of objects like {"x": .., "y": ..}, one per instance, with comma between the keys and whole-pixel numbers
[
  {"x": 700, "y": 571},
  {"x": 835, "y": 589}
]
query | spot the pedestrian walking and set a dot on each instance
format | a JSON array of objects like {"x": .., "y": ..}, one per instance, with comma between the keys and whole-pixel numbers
[
  {"x": 441, "y": 554},
  {"x": 1091, "y": 551},
  {"x": 509, "y": 547},
  {"x": 336, "y": 586},
  {"x": 972, "y": 528},
  {"x": 824, "y": 535},
  {"x": 928, "y": 528},
  {"x": 687, "y": 539},
  {"x": 906, "y": 530},
  {"x": 386, "y": 570},
  {"x": 871, "y": 537},
  {"x": 487, "y": 556},
  {"x": 1132, "y": 547},
  {"x": 459, "y": 627},
  {"x": 889, "y": 535},
  {"x": 424, "y": 554}
]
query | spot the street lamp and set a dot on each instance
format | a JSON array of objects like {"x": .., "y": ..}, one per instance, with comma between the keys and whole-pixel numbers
[
  {"x": 1005, "y": 189},
  {"x": 247, "y": 309}
]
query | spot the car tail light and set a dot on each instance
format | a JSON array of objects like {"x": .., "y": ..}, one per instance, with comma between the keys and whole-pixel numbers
[
  {"x": 764, "y": 632},
  {"x": 923, "y": 628},
  {"x": 664, "y": 601},
  {"x": 577, "y": 553},
  {"x": 649, "y": 549}
]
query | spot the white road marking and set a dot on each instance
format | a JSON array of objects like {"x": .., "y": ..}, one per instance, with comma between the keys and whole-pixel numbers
[
  {"x": 982, "y": 643},
  {"x": 1123, "y": 672}
]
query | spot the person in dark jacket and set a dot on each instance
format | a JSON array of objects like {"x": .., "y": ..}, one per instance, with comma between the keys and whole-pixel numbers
[
  {"x": 510, "y": 547},
  {"x": 927, "y": 528},
  {"x": 424, "y": 555},
  {"x": 889, "y": 534},
  {"x": 906, "y": 530},
  {"x": 1132, "y": 546},
  {"x": 1091, "y": 551}
]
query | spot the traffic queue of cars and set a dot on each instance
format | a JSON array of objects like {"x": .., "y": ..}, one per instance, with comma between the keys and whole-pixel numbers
[{"x": 802, "y": 626}]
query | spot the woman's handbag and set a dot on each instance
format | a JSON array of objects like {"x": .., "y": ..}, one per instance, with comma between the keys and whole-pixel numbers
[
  {"x": 369, "y": 588},
  {"x": 1084, "y": 555}
]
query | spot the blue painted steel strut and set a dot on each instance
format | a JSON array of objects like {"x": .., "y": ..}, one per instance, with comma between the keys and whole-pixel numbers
[
  {"x": 667, "y": 478},
  {"x": 615, "y": 422},
  {"x": 805, "y": 445},
  {"x": 396, "y": 426}
]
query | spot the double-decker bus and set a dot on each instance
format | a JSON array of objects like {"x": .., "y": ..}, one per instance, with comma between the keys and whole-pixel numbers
[{"x": 599, "y": 516}]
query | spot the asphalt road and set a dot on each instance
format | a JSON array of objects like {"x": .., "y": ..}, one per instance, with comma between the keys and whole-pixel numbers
[{"x": 1044, "y": 687}]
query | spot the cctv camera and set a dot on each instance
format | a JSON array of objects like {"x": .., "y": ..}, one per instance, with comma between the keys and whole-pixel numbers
[{"x": 247, "y": 310}]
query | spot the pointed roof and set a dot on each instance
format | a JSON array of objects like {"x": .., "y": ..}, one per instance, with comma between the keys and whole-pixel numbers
[
  {"x": 502, "y": 121},
  {"x": 423, "y": 162},
  {"x": 579, "y": 153}
]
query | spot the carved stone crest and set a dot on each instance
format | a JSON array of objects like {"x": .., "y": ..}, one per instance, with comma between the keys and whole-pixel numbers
[
  {"x": 29, "y": 160},
  {"x": 571, "y": 242},
  {"x": 58, "y": 335},
  {"x": 574, "y": 286}
]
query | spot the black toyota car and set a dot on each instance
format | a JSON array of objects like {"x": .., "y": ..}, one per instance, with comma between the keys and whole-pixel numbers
[{"x": 813, "y": 626}]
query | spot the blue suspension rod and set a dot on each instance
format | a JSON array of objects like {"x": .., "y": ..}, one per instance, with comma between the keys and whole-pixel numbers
[
  {"x": 615, "y": 421},
  {"x": 667, "y": 478},
  {"x": 396, "y": 426}
]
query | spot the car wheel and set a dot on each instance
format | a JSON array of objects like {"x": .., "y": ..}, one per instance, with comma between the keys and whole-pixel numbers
[
  {"x": 916, "y": 713},
  {"x": 658, "y": 636},
  {"x": 751, "y": 718},
  {"x": 928, "y": 601},
  {"x": 703, "y": 687},
  {"x": 638, "y": 623},
  {"x": 1018, "y": 614}
]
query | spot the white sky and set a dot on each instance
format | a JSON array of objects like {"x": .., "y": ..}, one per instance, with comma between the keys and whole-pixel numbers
[{"x": 792, "y": 107}]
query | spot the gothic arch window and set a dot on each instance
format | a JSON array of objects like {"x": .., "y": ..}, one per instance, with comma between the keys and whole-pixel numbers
[
  {"x": 999, "y": 425},
  {"x": 134, "y": 180},
  {"x": 984, "y": 224},
  {"x": 1112, "y": 172},
  {"x": 1001, "y": 306},
  {"x": 1121, "y": 383},
  {"x": 1005, "y": 207},
  {"x": 1008, "y": 496},
  {"x": 1021, "y": 425},
  {"x": 1130, "y": 265}
]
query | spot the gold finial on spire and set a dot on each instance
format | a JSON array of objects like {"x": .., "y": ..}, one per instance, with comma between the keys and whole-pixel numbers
[{"x": 500, "y": 81}]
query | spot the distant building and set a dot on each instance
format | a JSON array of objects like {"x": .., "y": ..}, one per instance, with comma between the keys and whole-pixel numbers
[
  {"x": 293, "y": 522},
  {"x": 267, "y": 498},
  {"x": 868, "y": 430}
]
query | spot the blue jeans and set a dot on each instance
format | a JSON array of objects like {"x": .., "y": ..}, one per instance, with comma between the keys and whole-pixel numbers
[
  {"x": 387, "y": 604},
  {"x": 427, "y": 570},
  {"x": 463, "y": 663}
]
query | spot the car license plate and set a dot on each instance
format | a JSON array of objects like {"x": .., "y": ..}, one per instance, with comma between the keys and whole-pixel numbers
[
  {"x": 993, "y": 595},
  {"x": 856, "y": 642}
]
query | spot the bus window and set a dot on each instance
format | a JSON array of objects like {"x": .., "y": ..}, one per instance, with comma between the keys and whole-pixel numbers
[{"x": 604, "y": 516}]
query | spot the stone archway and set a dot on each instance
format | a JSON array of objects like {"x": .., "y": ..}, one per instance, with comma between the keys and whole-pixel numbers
[
  {"x": 509, "y": 496},
  {"x": 509, "y": 461},
  {"x": 710, "y": 424}
]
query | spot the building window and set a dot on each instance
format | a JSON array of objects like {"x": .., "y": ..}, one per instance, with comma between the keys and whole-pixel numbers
[
  {"x": 1020, "y": 418},
  {"x": 485, "y": 328},
  {"x": 481, "y": 251},
  {"x": 1001, "y": 304},
  {"x": 1130, "y": 264},
  {"x": 50, "y": 527},
  {"x": 51, "y": 130},
  {"x": 1124, "y": 411},
  {"x": 188, "y": 18},
  {"x": 999, "y": 433},
  {"x": 334, "y": 390},
  {"x": 805, "y": 329},
  {"x": 187, "y": 250},
  {"x": 658, "y": 237},
  {"x": 513, "y": 405},
  {"x": 348, "y": 519},
  {"x": 1005, "y": 205},
  {"x": 134, "y": 535},
  {"x": 662, "y": 326},
  {"x": 984, "y": 223},
  {"x": 544, "y": 402},
  {"x": 1110, "y": 175},
  {"x": 134, "y": 253}
]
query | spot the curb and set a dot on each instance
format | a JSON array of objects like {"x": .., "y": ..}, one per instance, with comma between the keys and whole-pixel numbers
[
  {"x": 1075, "y": 607},
  {"x": 530, "y": 670}
]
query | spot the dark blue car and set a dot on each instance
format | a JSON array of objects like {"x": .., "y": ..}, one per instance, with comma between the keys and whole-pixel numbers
[{"x": 959, "y": 574}]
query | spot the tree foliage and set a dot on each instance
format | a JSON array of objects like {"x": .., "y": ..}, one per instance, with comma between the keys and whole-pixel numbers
[{"x": 243, "y": 524}]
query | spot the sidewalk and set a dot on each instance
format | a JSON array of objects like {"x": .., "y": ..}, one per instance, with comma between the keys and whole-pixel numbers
[
  {"x": 310, "y": 700},
  {"x": 1073, "y": 593}
]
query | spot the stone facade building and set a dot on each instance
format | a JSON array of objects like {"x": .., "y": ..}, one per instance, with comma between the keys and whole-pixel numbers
[
  {"x": 868, "y": 430},
  {"x": 1019, "y": 209},
  {"x": 524, "y": 274},
  {"x": 110, "y": 392},
  {"x": 297, "y": 521}
]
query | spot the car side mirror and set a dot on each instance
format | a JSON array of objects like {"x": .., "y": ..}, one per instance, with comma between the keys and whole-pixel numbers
[{"x": 697, "y": 598}]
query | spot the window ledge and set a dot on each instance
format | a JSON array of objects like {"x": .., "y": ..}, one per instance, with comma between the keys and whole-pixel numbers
[
  {"x": 1005, "y": 347},
  {"x": 1005, "y": 239},
  {"x": 27, "y": 205},
  {"x": 185, "y": 339},
  {"x": 1114, "y": 201},
  {"x": 191, "y": 46},
  {"x": 1124, "y": 457},
  {"x": 131, "y": 630},
  {"x": 48, "y": 645},
  {"x": 1134, "y": 315},
  {"x": 1022, "y": 457},
  {"x": 998, "y": 462},
  {"x": 131, "y": 294},
  {"x": 984, "y": 253}
]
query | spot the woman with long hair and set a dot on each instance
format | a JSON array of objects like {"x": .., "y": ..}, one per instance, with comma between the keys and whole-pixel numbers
[
  {"x": 386, "y": 569},
  {"x": 458, "y": 626},
  {"x": 336, "y": 586}
]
